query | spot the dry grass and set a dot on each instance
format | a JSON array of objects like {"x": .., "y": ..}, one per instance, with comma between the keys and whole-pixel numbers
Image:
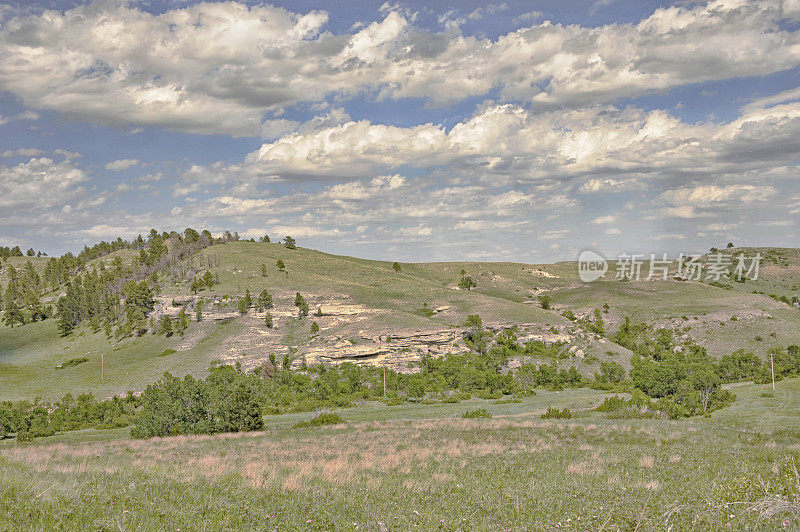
[
  {"x": 478, "y": 474},
  {"x": 646, "y": 462}
]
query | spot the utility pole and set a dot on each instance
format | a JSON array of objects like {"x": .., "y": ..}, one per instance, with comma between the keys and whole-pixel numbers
[
  {"x": 772, "y": 364},
  {"x": 384, "y": 382}
]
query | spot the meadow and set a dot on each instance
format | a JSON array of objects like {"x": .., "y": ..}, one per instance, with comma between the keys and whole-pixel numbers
[{"x": 424, "y": 466}]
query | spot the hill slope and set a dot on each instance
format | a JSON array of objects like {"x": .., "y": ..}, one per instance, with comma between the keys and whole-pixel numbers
[{"x": 369, "y": 313}]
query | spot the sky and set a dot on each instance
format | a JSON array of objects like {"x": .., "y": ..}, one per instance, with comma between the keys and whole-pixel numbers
[{"x": 413, "y": 131}]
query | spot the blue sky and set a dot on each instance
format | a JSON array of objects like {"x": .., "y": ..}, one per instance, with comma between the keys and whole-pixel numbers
[{"x": 411, "y": 131}]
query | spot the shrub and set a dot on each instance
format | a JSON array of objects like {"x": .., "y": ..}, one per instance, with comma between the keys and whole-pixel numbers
[
  {"x": 325, "y": 418},
  {"x": 72, "y": 362},
  {"x": 554, "y": 413},
  {"x": 544, "y": 301},
  {"x": 489, "y": 394},
  {"x": 240, "y": 412},
  {"x": 612, "y": 404},
  {"x": 477, "y": 414},
  {"x": 166, "y": 352}
]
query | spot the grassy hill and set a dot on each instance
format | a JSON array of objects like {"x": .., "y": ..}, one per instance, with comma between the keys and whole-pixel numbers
[{"x": 366, "y": 303}]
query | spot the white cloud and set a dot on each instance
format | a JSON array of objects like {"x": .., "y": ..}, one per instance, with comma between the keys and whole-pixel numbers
[
  {"x": 556, "y": 234},
  {"x": 708, "y": 195},
  {"x": 219, "y": 67},
  {"x": 603, "y": 220},
  {"x": 23, "y": 152},
  {"x": 25, "y": 115},
  {"x": 419, "y": 230},
  {"x": 122, "y": 164},
  {"x": 39, "y": 184},
  {"x": 669, "y": 236}
]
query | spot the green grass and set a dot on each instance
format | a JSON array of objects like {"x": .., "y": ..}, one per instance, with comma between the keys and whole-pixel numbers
[
  {"x": 753, "y": 411},
  {"x": 413, "y": 466},
  {"x": 29, "y": 356}
]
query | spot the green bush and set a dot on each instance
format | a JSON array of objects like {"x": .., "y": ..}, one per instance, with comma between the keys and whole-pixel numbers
[
  {"x": 612, "y": 404},
  {"x": 554, "y": 413},
  {"x": 166, "y": 352},
  {"x": 477, "y": 414},
  {"x": 325, "y": 418},
  {"x": 72, "y": 362}
]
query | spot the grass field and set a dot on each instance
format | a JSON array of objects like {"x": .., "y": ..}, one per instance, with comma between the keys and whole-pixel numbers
[
  {"x": 421, "y": 466},
  {"x": 29, "y": 356}
]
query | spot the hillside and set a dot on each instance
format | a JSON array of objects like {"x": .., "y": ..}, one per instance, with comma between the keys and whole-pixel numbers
[{"x": 369, "y": 313}]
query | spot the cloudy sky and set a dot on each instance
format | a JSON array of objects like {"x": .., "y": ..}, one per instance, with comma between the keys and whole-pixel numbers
[{"x": 511, "y": 131}]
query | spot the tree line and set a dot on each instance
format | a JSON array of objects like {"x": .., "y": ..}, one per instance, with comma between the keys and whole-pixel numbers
[{"x": 664, "y": 382}]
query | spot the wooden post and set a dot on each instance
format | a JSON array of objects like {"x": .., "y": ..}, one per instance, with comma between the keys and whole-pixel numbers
[
  {"x": 384, "y": 382},
  {"x": 772, "y": 364}
]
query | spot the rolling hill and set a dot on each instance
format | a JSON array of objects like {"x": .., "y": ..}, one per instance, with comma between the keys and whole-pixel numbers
[{"x": 368, "y": 313}]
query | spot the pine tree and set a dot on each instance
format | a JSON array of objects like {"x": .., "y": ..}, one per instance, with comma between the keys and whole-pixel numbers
[
  {"x": 12, "y": 314},
  {"x": 302, "y": 305},
  {"x": 183, "y": 322},
  {"x": 265, "y": 299},
  {"x": 69, "y": 308},
  {"x": 165, "y": 326},
  {"x": 241, "y": 411}
]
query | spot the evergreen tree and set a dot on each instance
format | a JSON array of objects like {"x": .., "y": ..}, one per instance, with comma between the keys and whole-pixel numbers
[
  {"x": 138, "y": 303},
  {"x": 289, "y": 243},
  {"x": 396, "y": 267},
  {"x": 165, "y": 326},
  {"x": 466, "y": 282},
  {"x": 12, "y": 314},
  {"x": 265, "y": 299},
  {"x": 69, "y": 308},
  {"x": 302, "y": 305},
  {"x": 183, "y": 322},
  {"x": 241, "y": 412}
]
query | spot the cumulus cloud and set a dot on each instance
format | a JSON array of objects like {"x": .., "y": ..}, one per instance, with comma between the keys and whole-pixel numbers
[
  {"x": 507, "y": 139},
  {"x": 39, "y": 184},
  {"x": 219, "y": 67},
  {"x": 23, "y": 152},
  {"x": 706, "y": 195},
  {"x": 122, "y": 164},
  {"x": 26, "y": 115}
]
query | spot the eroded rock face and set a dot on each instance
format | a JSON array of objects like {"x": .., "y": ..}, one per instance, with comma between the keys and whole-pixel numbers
[
  {"x": 349, "y": 332},
  {"x": 398, "y": 351}
]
